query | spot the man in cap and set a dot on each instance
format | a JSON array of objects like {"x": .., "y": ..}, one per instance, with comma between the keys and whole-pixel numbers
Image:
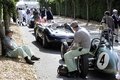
[
  {"x": 80, "y": 46},
  {"x": 115, "y": 17},
  {"x": 12, "y": 50},
  {"x": 107, "y": 20}
]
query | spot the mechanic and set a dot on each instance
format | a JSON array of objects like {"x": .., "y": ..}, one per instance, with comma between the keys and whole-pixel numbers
[
  {"x": 12, "y": 50},
  {"x": 49, "y": 14},
  {"x": 80, "y": 46}
]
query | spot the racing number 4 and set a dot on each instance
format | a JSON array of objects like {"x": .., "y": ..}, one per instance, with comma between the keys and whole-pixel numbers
[{"x": 102, "y": 59}]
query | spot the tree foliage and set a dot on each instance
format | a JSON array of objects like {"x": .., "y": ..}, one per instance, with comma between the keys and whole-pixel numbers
[
  {"x": 77, "y": 8},
  {"x": 8, "y": 7}
]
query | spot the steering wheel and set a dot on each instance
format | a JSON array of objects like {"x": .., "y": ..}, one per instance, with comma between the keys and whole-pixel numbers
[{"x": 94, "y": 44}]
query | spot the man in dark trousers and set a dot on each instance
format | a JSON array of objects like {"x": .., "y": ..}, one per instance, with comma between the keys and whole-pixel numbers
[
  {"x": 49, "y": 14},
  {"x": 107, "y": 21},
  {"x": 43, "y": 12},
  {"x": 115, "y": 17}
]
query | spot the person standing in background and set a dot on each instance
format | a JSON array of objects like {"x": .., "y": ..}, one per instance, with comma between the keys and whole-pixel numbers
[
  {"x": 36, "y": 15},
  {"x": 43, "y": 12},
  {"x": 20, "y": 16},
  {"x": 116, "y": 18},
  {"x": 107, "y": 21},
  {"x": 27, "y": 15},
  {"x": 49, "y": 14}
]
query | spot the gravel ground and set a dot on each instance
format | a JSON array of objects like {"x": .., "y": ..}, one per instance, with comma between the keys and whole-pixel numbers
[{"x": 16, "y": 68}]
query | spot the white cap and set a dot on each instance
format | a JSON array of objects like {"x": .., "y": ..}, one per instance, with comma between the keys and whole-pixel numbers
[{"x": 114, "y": 10}]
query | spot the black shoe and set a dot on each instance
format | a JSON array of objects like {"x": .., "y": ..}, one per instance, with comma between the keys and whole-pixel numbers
[
  {"x": 116, "y": 41},
  {"x": 28, "y": 61},
  {"x": 73, "y": 74},
  {"x": 34, "y": 58}
]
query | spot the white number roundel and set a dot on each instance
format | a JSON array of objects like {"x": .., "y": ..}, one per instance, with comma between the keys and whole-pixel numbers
[{"x": 103, "y": 60}]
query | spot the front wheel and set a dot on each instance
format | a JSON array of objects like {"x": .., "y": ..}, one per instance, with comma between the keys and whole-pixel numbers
[
  {"x": 44, "y": 42},
  {"x": 83, "y": 65},
  {"x": 64, "y": 47}
]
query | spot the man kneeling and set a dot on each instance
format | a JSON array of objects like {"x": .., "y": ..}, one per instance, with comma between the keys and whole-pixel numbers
[{"x": 12, "y": 50}]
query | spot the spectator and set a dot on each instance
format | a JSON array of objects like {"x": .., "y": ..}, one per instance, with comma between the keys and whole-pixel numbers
[
  {"x": 36, "y": 15},
  {"x": 43, "y": 12},
  {"x": 107, "y": 20},
  {"x": 80, "y": 46},
  {"x": 12, "y": 50},
  {"x": 31, "y": 11},
  {"x": 27, "y": 15},
  {"x": 20, "y": 16},
  {"x": 116, "y": 22},
  {"x": 49, "y": 14}
]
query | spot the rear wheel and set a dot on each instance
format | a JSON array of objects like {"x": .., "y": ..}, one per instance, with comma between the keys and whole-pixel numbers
[
  {"x": 83, "y": 65},
  {"x": 64, "y": 47}
]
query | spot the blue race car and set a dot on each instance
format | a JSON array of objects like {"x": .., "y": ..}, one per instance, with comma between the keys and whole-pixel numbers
[
  {"x": 104, "y": 56},
  {"x": 53, "y": 33},
  {"x": 101, "y": 57}
]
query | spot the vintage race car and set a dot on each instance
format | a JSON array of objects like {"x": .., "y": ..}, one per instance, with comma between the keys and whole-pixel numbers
[
  {"x": 101, "y": 57},
  {"x": 57, "y": 32}
]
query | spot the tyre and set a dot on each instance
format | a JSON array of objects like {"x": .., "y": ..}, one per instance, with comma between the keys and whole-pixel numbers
[
  {"x": 44, "y": 42},
  {"x": 83, "y": 65},
  {"x": 64, "y": 47}
]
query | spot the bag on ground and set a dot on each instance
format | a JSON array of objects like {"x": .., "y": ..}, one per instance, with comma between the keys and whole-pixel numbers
[{"x": 62, "y": 70}]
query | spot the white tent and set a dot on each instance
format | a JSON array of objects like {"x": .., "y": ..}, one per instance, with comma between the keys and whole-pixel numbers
[{"x": 30, "y": 4}]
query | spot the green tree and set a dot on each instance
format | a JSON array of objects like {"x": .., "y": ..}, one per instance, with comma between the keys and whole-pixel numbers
[
  {"x": 74, "y": 9},
  {"x": 8, "y": 7}
]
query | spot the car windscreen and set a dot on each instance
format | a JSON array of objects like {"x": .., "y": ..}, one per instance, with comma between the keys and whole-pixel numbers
[{"x": 60, "y": 28}]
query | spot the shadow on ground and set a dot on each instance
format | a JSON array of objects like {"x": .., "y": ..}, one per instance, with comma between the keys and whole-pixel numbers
[{"x": 51, "y": 49}]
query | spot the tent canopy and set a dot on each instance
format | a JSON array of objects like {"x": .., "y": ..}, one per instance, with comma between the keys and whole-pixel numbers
[{"x": 30, "y": 4}]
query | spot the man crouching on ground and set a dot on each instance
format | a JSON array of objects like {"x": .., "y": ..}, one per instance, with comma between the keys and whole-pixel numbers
[
  {"x": 80, "y": 46},
  {"x": 12, "y": 50}
]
